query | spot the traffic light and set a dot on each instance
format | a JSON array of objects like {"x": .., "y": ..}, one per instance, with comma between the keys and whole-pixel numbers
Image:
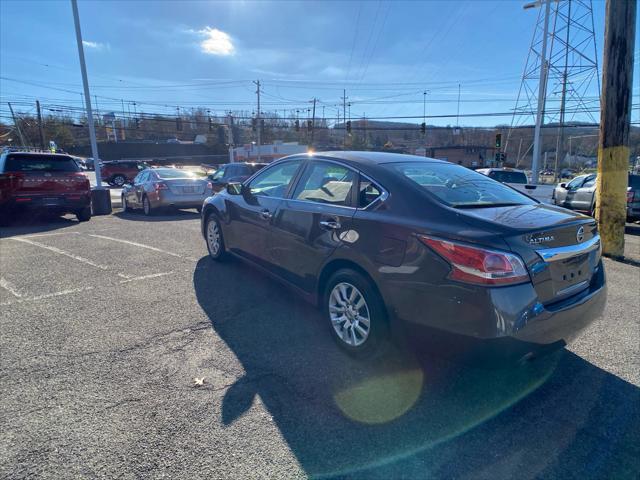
[
  {"x": 423, "y": 128},
  {"x": 297, "y": 125},
  {"x": 309, "y": 125},
  {"x": 254, "y": 123},
  {"x": 498, "y": 140},
  {"x": 210, "y": 124},
  {"x": 349, "y": 126},
  {"x": 179, "y": 124},
  {"x": 262, "y": 124},
  {"x": 137, "y": 123}
]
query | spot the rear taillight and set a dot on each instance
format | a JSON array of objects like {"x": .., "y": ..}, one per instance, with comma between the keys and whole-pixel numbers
[
  {"x": 630, "y": 196},
  {"x": 478, "y": 265},
  {"x": 160, "y": 186},
  {"x": 210, "y": 185}
]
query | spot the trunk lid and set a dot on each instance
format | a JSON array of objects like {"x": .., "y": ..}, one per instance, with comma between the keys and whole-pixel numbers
[
  {"x": 183, "y": 186},
  {"x": 561, "y": 248}
]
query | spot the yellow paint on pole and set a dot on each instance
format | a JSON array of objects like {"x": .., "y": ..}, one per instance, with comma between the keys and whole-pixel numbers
[{"x": 611, "y": 193}]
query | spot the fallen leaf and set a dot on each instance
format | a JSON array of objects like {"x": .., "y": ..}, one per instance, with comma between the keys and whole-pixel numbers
[{"x": 198, "y": 381}]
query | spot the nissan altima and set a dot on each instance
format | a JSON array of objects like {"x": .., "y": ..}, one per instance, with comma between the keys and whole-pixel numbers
[{"x": 384, "y": 241}]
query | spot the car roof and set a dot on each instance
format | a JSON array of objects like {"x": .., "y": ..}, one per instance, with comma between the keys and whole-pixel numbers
[
  {"x": 376, "y": 158},
  {"x": 30, "y": 154}
]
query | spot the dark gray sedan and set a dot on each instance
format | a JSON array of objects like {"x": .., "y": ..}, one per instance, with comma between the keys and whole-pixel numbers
[
  {"x": 154, "y": 188},
  {"x": 384, "y": 241}
]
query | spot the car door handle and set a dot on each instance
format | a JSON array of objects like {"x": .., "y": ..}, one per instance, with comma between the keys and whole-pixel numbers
[
  {"x": 266, "y": 214},
  {"x": 330, "y": 224}
]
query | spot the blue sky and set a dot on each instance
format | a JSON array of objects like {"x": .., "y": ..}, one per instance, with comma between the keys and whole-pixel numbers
[{"x": 166, "y": 54}]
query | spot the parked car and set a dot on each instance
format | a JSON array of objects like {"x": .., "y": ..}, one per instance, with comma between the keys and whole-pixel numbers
[
  {"x": 518, "y": 179},
  {"x": 580, "y": 194},
  {"x": 43, "y": 182},
  {"x": 233, "y": 172},
  {"x": 384, "y": 241},
  {"x": 155, "y": 188},
  {"x": 118, "y": 172}
]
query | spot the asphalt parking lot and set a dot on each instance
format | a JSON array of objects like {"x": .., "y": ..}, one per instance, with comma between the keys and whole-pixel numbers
[{"x": 127, "y": 353}]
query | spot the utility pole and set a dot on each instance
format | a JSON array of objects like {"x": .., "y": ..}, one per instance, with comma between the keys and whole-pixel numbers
[
  {"x": 344, "y": 114},
  {"x": 13, "y": 115},
  {"x": 40, "y": 124},
  {"x": 258, "y": 126},
  {"x": 313, "y": 122},
  {"x": 100, "y": 197},
  {"x": 542, "y": 88},
  {"x": 615, "y": 120},
  {"x": 231, "y": 143}
]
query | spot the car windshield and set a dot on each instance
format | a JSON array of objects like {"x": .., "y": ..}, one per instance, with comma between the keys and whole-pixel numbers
[
  {"x": 507, "y": 176},
  {"x": 458, "y": 186},
  {"x": 40, "y": 163},
  {"x": 169, "y": 173}
]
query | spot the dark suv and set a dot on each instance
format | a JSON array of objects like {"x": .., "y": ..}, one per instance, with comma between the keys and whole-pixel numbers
[
  {"x": 233, "y": 172},
  {"x": 117, "y": 173},
  {"x": 34, "y": 181}
]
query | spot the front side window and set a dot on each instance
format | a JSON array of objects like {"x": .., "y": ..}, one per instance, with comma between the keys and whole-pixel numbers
[
  {"x": 274, "y": 181},
  {"x": 326, "y": 183},
  {"x": 458, "y": 186},
  {"x": 590, "y": 182},
  {"x": 575, "y": 183}
]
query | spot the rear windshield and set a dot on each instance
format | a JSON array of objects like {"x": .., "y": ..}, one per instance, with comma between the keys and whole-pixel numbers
[
  {"x": 255, "y": 167},
  {"x": 460, "y": 187},
  {"x": 634, "y": 182},
  {"x": 508, "y": 177},
  {"x": 174, "y": 173},
  {"x": 40, "y": 163}
]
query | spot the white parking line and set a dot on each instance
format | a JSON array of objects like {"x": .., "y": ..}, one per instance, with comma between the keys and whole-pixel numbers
[
  {"x": 35, "y": 235},
  {"x": 48, "y": 295},
  {"x": 144, "y": 277},
  {"x": 60, "y": 252},
  {"x": 9, "y": 287},
  {"x": 141, "y": 245}
]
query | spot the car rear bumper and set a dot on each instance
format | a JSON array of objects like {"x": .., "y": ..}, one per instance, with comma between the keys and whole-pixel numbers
[
  {"x": 51, "y": 202},
  {"x": 501, "y": 315}
]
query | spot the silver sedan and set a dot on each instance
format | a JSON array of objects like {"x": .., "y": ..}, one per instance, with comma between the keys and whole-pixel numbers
[{"x": 155, "y": 188}]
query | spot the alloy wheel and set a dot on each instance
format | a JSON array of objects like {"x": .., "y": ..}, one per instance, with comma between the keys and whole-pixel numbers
[
  {"x": 349, "y": 314},
  {"x": 213, "y": 237}
]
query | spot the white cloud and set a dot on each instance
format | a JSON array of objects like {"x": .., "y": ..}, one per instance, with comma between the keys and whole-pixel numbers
[
  {"x": 95, "y": 45},
  {"x": 216, "y": 42}
]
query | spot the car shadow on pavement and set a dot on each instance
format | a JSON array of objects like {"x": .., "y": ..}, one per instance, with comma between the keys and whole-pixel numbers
[
  {"x": 33, "y": 224},
  {"x": 403, "y": 416},
  {"x": 632, "y": 229},
  {"x": 164, "y": 215}
]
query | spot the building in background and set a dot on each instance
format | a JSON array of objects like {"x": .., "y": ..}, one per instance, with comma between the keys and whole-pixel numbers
[
  {"x": 472, "y": 156},
  {"x": 268, "y": 153}
]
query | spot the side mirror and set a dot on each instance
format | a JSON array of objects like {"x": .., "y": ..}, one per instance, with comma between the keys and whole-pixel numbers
[
  {"x": 234, "y": 188},
  {"x": 563, "y": 185}
]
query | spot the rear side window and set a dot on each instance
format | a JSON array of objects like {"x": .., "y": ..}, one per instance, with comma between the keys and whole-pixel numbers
[
  {"x": 40, "y": 163},
  {"x": 368, "y": 192},
  {"x": 458, "y": 186},
  {"x": 326, "y": 183},
  {"x": 508, "y": 177}
]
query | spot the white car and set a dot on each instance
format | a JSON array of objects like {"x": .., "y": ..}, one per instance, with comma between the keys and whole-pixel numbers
[{"x": 518, "y": 179}]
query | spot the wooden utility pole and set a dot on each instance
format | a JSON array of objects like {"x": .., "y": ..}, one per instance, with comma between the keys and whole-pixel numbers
[
  {"x": 258, "y": 122},
  {"x": 15, "y": 124},
  {"x": 615, "y": 119},
  {"x": 40, "y": 124}
]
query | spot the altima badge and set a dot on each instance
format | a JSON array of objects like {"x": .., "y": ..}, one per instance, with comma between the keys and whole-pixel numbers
[{"x": 541, "y": 239}]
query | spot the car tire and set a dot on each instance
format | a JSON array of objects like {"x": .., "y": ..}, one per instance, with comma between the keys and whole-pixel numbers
[
  {"x": 119, "y": 180},
  {"x": 345, "y": 311},
  {"x": 125, "y": 205},
  {"x": 147, "y": 207},
  {"x": 84, "y": 215},
  {"x": 214, "y": 240}
]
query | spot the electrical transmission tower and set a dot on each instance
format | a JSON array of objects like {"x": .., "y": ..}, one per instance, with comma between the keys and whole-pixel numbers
[{"x": 560, "y": 83}]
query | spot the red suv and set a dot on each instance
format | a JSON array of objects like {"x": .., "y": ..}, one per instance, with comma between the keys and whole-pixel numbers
[
  {"x": 45, "y": 182},
  {"x": 118, "y": 172}
]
